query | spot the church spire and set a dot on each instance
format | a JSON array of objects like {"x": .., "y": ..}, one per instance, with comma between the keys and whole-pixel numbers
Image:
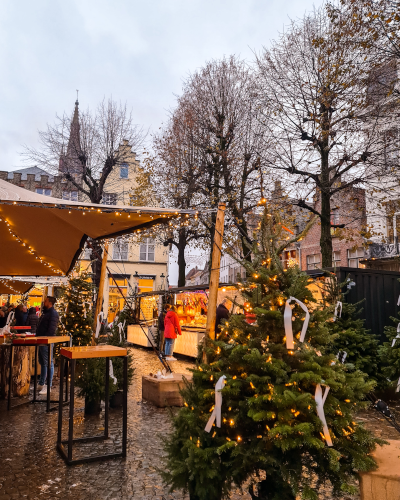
[{"x": 70, "y": 160}]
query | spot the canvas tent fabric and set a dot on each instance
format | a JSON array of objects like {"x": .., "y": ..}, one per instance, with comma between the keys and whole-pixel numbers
[
  {"x": 43, "y": 236},
  {"x": 13, "y": 287}
]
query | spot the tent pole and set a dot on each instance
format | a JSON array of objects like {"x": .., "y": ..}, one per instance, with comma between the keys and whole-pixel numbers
[
  {"x": 214, "y": 275},
  {"x": 100, "y": 292}
]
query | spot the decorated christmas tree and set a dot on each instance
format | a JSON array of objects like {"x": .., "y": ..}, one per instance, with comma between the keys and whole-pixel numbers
[
  {"x": 390, "y": 355},
  {"x": 286, "y": 403},
  {"x": 351, "y": 342},
  {"x": 75, "y": 308}
]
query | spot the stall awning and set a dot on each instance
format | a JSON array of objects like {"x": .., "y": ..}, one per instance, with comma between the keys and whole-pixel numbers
[
  {"x": 43, "y": 236},
  {"x": 11, "y": 287}
]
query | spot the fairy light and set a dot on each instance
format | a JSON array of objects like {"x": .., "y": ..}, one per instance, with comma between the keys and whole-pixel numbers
[{"x": 30, "y": 249}]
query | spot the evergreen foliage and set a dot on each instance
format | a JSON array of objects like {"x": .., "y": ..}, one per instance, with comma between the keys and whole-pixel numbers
[
  {"x": 92, "y": 380},
  {"x": 74, "y": 307},
  {"x": 350, "y": 336},
  {"x": 270, "y": 428},
  {"x": 390, "y": 356}
]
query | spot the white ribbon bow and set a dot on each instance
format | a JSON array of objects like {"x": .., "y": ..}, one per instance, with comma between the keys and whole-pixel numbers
[
  {"x": 216, "y": 413},
  {"x": 100, "y": 318},
  {"x": 10, "y": 317},
  {"x": 337, "y": 313},
  {"x": 287, "y": 320},
  {"x": 112, "y": 372},
  {"x": 398, "y": 385},
  {"x": 398, "y": 301},
  {"x": 320, "y": 400},
  {"x": 121, "y": 327},
  {"x": 397, "y": 336}
]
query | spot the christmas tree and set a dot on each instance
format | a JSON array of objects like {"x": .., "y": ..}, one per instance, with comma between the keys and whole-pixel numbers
[
  {"x": 75, "y": 308},
  {"x": 351, "y": 342},
  {"x": 287, "y": 404},
  {"x": 390, "y": 355}
]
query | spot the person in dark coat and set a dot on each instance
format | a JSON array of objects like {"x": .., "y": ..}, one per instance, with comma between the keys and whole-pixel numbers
[
  {"x": 222, "y": 313},
  {"x": 46, "y": 327},
  {"x": 3, "y": 318},
  {"x": 32, "y": 320},
  {"x": 161, "y": 326},
  {"x": 19, "y": 315}
]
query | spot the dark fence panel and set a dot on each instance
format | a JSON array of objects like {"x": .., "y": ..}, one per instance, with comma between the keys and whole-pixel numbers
[{"x": 378, "y": 289}]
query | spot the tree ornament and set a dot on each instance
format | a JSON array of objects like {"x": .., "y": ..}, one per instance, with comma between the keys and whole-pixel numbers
[
  {"x": 320, "y": 400},
  {"x": 216, "y": 413},
  {"x": 287, "y": 317}
]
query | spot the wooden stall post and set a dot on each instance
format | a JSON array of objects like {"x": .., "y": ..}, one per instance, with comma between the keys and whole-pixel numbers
[
  {"x": 100, "y": 293},
  {"x": 214, "y": 275}
]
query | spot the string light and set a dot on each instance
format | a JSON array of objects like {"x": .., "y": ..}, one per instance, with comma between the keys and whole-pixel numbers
[{"x": 30, "y": 249}]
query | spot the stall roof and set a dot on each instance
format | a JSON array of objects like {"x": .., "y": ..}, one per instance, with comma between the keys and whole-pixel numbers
[
  {"x": 190, "y": 288},
  {"x": 43, "y": 236},
  {"x": 12, "y": 287}
]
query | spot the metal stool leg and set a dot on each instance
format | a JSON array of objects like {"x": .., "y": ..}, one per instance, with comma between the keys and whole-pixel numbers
[
  {"x": 60, "y": 401},
  {"x": 107, "y": 397},
  {"x": 71, "y": 410},
  {"x": 35, "y": 379},
  {"x": 125, "y": 408},
  {"x": 48, "y": 376},
  {"x": 10, "y": 377}
]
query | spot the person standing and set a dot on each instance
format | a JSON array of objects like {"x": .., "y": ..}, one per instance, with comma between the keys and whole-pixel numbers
[
  {"x": 46, "y": 327},
  {"x": 222, "y": 313},
  {"x": 32, "y": 320},
  {"x": 171, "y": 329},
  {"x": 161, "y": 327}
]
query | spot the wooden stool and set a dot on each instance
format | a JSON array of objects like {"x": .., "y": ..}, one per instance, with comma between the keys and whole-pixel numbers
[
  {"x": 36, "y": 342},
  {"x": 72, "y": 354}
]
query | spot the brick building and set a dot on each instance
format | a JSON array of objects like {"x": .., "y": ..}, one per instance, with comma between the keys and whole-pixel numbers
[{"x": 348, "y": 209}]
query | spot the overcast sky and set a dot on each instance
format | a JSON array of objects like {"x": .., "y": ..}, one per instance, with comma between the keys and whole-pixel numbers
[{"x": 136, "y": 51}]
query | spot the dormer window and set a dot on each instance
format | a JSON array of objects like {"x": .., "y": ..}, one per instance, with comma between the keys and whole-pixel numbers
[{"x": 124, "y": 171}]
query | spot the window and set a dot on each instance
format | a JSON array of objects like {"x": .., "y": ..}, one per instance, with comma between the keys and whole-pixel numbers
[
  {"x": 336, "y": 259},
  {"x": 109, "y": 199},
  {"x": 46, "y": 192},
  {"x": 70, "y": 195},
  {"x": 289, "y": 258},
  {"x": 354, "y": 257},
  {"x": 120, "y": 250},
  {"x": 314, "y": 261},
  {"x": 334, "y": 220},
  {"x": 147, "y": 250},
  {"x": 124, "y": 171}
]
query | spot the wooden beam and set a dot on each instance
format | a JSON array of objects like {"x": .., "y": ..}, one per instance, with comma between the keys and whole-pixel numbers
[
  {"x": 100, "y": 292},
  {"x": 215, "y": 269}
]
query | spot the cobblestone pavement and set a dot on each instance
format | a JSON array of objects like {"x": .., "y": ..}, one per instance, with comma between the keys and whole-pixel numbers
[{"x": 30, "y": 467}]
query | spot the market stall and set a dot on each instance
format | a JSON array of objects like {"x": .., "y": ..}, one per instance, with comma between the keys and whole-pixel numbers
[{"x": 191, "y": 305}]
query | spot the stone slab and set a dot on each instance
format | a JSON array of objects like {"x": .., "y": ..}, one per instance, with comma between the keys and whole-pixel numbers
[
  {"x": 384, "y": 482},
  {"x": 164, "y": 392}
]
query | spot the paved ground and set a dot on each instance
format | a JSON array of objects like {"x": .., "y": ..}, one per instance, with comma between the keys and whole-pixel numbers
[{"x": 30, "y": 467}]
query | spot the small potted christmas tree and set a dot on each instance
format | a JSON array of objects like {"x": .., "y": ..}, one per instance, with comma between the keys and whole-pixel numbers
[{"x": 287, "y": 411}]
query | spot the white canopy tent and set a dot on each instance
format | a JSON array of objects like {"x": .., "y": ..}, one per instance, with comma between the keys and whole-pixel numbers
[{"x": 44, "y": 236}]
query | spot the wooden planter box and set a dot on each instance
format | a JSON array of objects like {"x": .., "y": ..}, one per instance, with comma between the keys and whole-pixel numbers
[
  {"x": 164, "y": 392},
  {"x": 384, "y": 482}
]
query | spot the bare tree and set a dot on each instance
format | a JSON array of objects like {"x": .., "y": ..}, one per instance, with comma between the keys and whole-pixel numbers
[
  {"x": 173, "y": 173},
  {"x": 313, "y": 90},
  {"x": 85, "y": 148},
  {"x": 226, "y": 134}
]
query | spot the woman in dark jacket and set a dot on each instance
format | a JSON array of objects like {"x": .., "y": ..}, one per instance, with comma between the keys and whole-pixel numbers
[{"x": 32, "y": 320}]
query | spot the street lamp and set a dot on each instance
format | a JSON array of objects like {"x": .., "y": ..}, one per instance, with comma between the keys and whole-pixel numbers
[{"x": 162, "y": 281}]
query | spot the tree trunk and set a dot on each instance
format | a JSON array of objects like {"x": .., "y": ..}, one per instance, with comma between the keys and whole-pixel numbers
[
  {"x": 21, "y": 371},
  {"x": 326, "y": 236},
  {"x": 181, "y": 258},
  {"x": 273, "y": 488}
]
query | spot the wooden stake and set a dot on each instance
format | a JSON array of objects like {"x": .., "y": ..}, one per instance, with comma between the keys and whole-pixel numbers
[
  {"x": 214, "y": 275},
  {"x": 100, "y": 293}
]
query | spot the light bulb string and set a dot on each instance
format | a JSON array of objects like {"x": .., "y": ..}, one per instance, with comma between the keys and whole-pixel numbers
[{"x": 29, "y": 248}]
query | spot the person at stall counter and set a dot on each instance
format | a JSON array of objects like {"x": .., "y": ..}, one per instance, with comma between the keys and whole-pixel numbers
[
  {"x": 46, "y": 327},
  {"x": 222, "y": 313},
  {"x": 171, "y": 329},
  {"x": 32, "y": 320}
]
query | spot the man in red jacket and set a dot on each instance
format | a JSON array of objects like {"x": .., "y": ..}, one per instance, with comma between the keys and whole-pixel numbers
[{"x": 171, "y": 329}]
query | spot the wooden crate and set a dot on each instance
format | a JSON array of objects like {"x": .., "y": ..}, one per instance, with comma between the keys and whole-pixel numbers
[
  {"x": 384, "y": 482},
  {"x": 164, "y": 392}
]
